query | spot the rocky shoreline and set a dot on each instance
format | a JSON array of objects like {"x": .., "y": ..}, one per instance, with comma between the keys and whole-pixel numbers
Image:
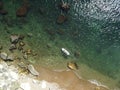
[
  {"x": 11, "y": 78},
  {"x": 15, "y": 78},
  {"x": 17, "y": 73}
]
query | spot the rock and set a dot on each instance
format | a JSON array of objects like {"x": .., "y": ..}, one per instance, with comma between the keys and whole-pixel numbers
[
  {"x": 32, "y": 70},
  {"x": 11, "y": 57},
  {"x": 49, "y": 45},
  {"x": 29, "y": 34},
  {"x": 12, "y": 47},
  {"x": 14, "y": 38},
  {"x": 22, "y": 65},
  {"x": 21, "y": 43},
  {"x": 61, "y": 19},
  {"x": 18, "y": 58},
  {"x": 72, "y": 65},
  {"x": 20, "y": 48},
  {"x": 22, "y": 11},
  {"x": 3, "y": 12},
  {"x": 77, "y": 54},
  {"x": 23, "y": 51},
  {"x": 34, "y": 54},
  {"x": 29, "y": 51},
  {"x": 25, "y": 56},
  {"x": 3, "y": 55},
  {"x": 65, "y": 7},
  {"x": 21, "y": 37}
]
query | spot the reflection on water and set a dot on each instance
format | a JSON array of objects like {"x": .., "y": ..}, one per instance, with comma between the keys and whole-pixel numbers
[{"x": 99, "y": 9}]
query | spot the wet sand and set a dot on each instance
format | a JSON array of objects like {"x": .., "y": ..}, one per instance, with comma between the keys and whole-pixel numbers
[{"x": 66, "y": 79}]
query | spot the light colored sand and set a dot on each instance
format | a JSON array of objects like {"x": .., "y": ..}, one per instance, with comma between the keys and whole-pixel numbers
[{"x": 66, "y": 79}]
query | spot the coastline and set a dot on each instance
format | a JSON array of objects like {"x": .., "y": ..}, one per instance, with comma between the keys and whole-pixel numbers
[
  {"x": 84, "y": 72},
  {"x": 67, "y": 79}
]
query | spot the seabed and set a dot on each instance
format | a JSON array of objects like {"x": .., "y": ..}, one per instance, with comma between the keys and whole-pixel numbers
[{"x": 36, "y": 39}]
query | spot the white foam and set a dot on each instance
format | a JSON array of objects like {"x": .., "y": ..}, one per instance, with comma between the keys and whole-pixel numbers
[
  {"x": 25, "y": 86},
  {"x": 9, "y": 78},
  {"x": 93, "y": 81}
]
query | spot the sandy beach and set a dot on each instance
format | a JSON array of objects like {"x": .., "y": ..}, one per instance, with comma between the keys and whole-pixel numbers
[{"x": 66, "y": 79}]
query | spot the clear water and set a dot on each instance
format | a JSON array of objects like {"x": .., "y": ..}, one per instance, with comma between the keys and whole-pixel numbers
[
  {"x": 93, "y": 29},
  {"x": 101, "y": 34}
]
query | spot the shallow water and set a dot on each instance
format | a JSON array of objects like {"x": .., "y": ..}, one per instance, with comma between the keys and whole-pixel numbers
[{"x": 96, "y": 39}]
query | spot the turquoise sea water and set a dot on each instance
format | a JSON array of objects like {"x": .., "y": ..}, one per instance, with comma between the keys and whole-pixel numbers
[{"x": 98, "y": 41}]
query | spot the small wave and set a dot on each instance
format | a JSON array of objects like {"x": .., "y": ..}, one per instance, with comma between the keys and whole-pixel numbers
[{"x": 93, "y": 81}]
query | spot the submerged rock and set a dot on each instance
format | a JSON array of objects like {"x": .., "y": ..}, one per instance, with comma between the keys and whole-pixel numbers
[
  {"x": 61, "y": 19},
  {"x": 77, "y": 54},
  {"x": 12, "y": 47},
  {"x": 64, "y": 6},
  {"x": 21, "y": 37},
  {"x": 6, "y": 57},
  {"x": 29, "y": 51},
  {"x": 22, "y": 11},
  {"x": 25, "y": 56},
  {"x": 11, "y": 57},
  {"x": 29, "y": 34},
  {"x": 49, "y": 45},
  {"x": 32, "y": 70},
  {"x": 22, "y": 65},
  {"x": 3, "y": 12},
  {"x": 20, "y": 48},
  {"x": 14, "y": 38},
  {"x": 21, "y": 43},
  {"x": 3, "y": 56}
]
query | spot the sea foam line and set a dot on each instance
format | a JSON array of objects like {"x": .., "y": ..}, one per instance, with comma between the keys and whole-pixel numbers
[{"x": 93, "y": 81}]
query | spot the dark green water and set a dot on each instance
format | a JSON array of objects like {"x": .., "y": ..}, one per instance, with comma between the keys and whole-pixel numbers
[{"x": 98, "y": 41}]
